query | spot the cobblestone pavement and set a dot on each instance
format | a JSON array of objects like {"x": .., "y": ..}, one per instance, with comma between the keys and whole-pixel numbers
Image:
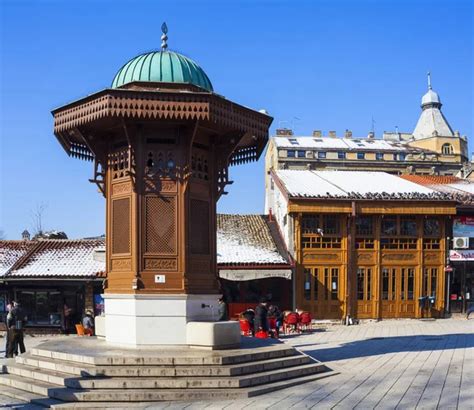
[{"x": 401, "y": 364}]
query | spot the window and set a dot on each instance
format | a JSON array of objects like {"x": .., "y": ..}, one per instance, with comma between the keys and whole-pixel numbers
[
  {"x": 341, "y": 155},
  {"x": 291, "y": 153},
  {"x": 430, "y": 276},
  {"x": 321, "y": 155},
  {"x": 301, "y": 154},
  {"x": 364, "y": 226},
  {"x": 389, "y": 226},
  {"x": 407, "y": 227},
  {"x": 394, "y": 157},
  {"x": 331, "y": 224},
  {"x": 307, "y": 284},
  {"x": 334, "y": 283},
  {"x": 402, "y": 156},
  {"x": 379, "y": 156},
  {"x": 363, "y": 283},
  {"x": 293, "y": 141},
  {"x": 384, "y": 284},
  {"x": 431, "y": 227},
  {"x": 361, "y": 155},
  {"x": 321, "y": 231},
  {"x": 447, "y": 149}
]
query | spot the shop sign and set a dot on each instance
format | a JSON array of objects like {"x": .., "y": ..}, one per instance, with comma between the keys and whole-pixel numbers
[
  {"x": 253, "y": 274},
  {"x": 461, "y": 255},
  {"x": 463, "y": 226}
]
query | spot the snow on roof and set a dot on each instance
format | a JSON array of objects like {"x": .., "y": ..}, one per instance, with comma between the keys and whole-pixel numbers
[
  {"x": 355, "y": 144},
  {"x": 11, "y": 252},
  {"x": 246, "y": 239},
  {"x": 352, "y": 185},
  {"x": 431, "y": 120},
  {"x": 59, "y": 258}
]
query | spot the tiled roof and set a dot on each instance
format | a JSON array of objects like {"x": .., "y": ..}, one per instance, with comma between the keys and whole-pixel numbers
[
  {"x": 248, "y": 240},
  {"x": 11, "y": 252},
  {"x": 461, "y": 190},
  {"x": 57, "y": 258},
  {"x": 353, "y": 185}
]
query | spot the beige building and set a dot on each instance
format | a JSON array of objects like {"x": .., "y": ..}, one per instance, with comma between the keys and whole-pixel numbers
[{"x": 433, "y": 148}]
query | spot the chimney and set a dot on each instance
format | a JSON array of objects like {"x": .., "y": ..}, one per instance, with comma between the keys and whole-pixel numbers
[
  {"x": 270, "y": 215},
  {"x": 284, "y": 132},
  {"x": 332, "y": 134},
  {"x": 348, "y": 134},
  {"x": 371, "y": 135},
  {"x": 25, "y": 235},
  {"x": 317, "y": 134}
]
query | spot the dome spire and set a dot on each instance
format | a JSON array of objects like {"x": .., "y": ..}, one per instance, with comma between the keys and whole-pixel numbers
[
  {"x": 164, "y": 37},
  {"x": 429, "y": 81}
]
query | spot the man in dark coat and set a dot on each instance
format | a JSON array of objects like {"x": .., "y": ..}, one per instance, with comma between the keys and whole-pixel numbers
[
  {"x": 16, "y": 320},
  {"x": 261, "y": 316}
]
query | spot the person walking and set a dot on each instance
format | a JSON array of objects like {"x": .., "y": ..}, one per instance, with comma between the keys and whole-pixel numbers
[
  {"x": 88, "y": 323},
  {"x": 261, "y": 316},
  {"x": 16, "y": 321}
]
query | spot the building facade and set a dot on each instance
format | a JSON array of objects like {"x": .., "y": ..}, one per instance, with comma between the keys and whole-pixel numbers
[
  {"x": 432, "y": 148},
  {"x": 363, "y": 250}
]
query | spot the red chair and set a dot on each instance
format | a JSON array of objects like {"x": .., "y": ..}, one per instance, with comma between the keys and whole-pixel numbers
[
  {"x": 291, "y": 322},
  {"x": 305, "y": 321},
  {"x": 261, "y": 334},
  {"x": 272, "y": 324},
  {"x": 245, "y": 329}
]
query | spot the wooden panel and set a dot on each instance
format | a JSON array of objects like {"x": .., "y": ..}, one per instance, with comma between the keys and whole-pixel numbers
[
  {"x": 121, "y": 226},
  {"x": 432, "y": 257},
  {"x": 326, "y": 256},
  {"x": 121, "y": 264},
  {"x": 366, "y": 257},
  {"x": 397, "y": 257},
  {"x": 160, "y": 225},
  {"x": 159, "y": 264},
  {"x": 199, "y": 227}
]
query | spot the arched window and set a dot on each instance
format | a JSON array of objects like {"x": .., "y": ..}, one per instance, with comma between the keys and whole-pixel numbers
[{"x": 447, "y": 149}]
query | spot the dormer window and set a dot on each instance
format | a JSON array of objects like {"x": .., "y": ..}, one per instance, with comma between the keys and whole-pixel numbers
[{"x": 447, "y": 149}]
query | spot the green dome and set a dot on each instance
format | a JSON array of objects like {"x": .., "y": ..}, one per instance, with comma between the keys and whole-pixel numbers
[{"x": 162, "y": 66}]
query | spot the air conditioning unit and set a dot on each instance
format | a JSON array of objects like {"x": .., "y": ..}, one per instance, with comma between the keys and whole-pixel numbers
[{"x": 460, "y": 243}]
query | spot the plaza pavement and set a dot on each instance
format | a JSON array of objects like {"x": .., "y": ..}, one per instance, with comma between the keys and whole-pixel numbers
[{"x": 402, "y": 364}]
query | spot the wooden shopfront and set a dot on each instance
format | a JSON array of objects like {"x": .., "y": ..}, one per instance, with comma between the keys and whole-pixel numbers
[{"x": 370, "y": 260}]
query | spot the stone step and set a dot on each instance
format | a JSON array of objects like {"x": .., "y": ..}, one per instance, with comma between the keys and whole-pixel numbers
[
  {"x": 73, "y": 368},
  {"x": 148, "y": 395},
  {"x": 34, "y": 399},
  {"x": 170, "y": 357},
  {"x": 62, "y": 379}
]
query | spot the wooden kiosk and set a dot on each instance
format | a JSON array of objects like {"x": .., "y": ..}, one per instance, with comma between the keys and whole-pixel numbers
[{"x": 161, "y": 142}]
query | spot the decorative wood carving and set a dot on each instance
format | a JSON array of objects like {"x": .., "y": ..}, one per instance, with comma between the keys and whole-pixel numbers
[
  {"x": 121, "y": 264},
  {"x": 121, "y": 188},
  {"x": 161, "y": 264}
]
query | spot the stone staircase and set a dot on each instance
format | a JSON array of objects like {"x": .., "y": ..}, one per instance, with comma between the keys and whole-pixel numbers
[{"x": 75, "y": 375}]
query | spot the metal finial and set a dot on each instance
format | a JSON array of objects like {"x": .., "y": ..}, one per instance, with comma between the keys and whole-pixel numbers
[
  {"x": 429, "y": 80},
  {"x": 164, "y": 37}
]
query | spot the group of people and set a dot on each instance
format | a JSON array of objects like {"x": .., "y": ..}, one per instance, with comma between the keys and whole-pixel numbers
[
  {"x": 259, "y": 318},
  {"x": 15, "y": 323}
]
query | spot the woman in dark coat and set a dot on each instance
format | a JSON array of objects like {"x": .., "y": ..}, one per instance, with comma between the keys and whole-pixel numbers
[{"x": 261, "y": 316}]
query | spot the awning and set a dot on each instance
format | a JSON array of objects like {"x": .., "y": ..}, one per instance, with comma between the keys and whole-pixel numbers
[{"x": 252, "y": 274}]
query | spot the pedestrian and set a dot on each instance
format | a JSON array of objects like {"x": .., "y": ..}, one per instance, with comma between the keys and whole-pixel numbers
[
  {"x": 67, "y": 312},
  {"x": 7, "y": 337},
  {"x": 261, "y": 316},
  {"x": 222, "y": 309},
  {"x": 16, "y": 321},
  {"x": 274, "y": 311},
  {"x": 88, "y": 323}
]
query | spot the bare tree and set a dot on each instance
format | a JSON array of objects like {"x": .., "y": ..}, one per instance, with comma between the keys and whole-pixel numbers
[{"x": 37, "y": 215}]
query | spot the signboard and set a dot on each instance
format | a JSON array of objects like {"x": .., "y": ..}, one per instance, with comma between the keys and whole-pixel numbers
[
  {"x": 160, "y": 278},
  {"x": 463, "y": 226},
  {"x": 252, "y": 274},
  {"x": 461, "y": 255}
]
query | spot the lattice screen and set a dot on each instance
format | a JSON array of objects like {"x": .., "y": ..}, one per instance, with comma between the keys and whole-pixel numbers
[
  {"x": 121, "y": 225},
  {"x": 199, "y": 235},
  {"x": 160, "y": 225}
]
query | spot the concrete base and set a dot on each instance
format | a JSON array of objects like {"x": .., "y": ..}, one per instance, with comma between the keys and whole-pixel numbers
[
  {"x": 213, "y": 335},
  {"x": 159, "y": 319}
]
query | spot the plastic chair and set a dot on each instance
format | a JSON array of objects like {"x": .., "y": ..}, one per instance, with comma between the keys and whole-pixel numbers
[
  {"x": 245, "y": 329},
  {"x": 261, "y": 334},
  {"x": 272, "y": 324},
  {"x": 80, "y": 330},
  {"x": 291, "y": 322},
  {"x": 305, "y": 321}
]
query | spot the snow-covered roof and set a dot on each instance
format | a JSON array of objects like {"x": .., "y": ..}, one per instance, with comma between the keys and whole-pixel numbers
[
  {"x": 352, "y": 185},
  {"x": 432, "y": 123},
  {"x": 11, "y": 252},
  {"x": 343, "y": 144},
  {"x": 247, "y": 240},
  {"x": 56, "y": 258}
]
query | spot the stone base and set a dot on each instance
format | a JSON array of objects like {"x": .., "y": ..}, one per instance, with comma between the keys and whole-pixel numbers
[
  {"x": 159, "y": 319},
  {"x": 213, "y": 335}
]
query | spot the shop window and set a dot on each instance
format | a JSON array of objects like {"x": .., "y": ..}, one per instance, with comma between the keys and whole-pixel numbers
[
  {"x": 364, "y": 226},
  {"x": 430, "y": 277},
  {"x": 334, "y": 283},
  {"x": 360, "y": 284},
  {"x": 389, "y": 226},
  {"x": 331, "y": 224},
  {"x": 44, "y": 307},
  {"x": 408, "y": 227},
  {"x": 363, "y": 283},
  {"x": 307, "y": 284},
  {"x": 385, "y": 284},
  {"x": 432, "y": 227},
  {"x": 411, "y": 283}
]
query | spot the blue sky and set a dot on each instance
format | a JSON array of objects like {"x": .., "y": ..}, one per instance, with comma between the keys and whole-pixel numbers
[{"x": 326, "y": 65}]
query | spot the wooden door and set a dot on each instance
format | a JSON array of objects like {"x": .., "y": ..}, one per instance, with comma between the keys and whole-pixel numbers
[
  {"x": 364, "y": 292},
  {"x": 398, "y": 292},
  {"x": 322, "y": 292}
]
